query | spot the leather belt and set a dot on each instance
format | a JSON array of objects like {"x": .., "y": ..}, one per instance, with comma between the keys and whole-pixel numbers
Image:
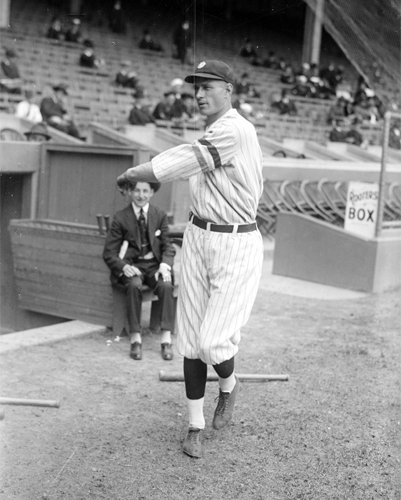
[{"x": 223, "y": 228}]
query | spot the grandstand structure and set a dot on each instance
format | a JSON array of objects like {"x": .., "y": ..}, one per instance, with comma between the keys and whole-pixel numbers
[{"x": 53, "y": 192}]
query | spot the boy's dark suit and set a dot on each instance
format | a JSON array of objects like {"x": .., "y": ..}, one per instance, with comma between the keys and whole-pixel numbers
[{"x": 125, "y": 227}]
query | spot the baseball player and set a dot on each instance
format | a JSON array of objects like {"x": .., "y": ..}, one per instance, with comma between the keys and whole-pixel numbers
[{"x": 222, "y": 249}]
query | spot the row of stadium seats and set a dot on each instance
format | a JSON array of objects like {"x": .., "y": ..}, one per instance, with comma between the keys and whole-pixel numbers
[{"x": 323, "y": 199}]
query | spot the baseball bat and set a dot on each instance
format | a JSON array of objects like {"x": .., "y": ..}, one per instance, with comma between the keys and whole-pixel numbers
[
  {"x": 212, "y": 377},
  {"x": 30, "y": 402},
  {"x": 99, "y": 218},
  {"x": 107, "y": 222}
]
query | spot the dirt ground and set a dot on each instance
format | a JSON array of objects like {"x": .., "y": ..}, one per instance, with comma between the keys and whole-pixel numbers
[{"x": 331, "y": 432}]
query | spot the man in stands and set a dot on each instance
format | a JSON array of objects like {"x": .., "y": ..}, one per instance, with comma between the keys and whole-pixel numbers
[
  {"x": 182, "y": 41},
  {"x": 38, "y": 133},
  {"x": 147, "y": 42},
  {"x": 54, "y": 113},
  {"x": 74, "y": 34},
  {"x": 88, "y": 58},
  {"x": 285, "y": 106},
  {"x": 11, "y": 80},
  {"x": 166, "y": 109},
  {"x": 28, "y": 109},
  {"x": 140, "y": 113},
  {"x": 126, "y": 77},
  {"x": 55, "y": 30}
]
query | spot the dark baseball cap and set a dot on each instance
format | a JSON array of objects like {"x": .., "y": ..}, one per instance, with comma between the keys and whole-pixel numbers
[{"x": 212, "y": 69}]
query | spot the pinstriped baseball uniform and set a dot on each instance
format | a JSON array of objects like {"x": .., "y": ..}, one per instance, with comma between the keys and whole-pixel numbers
[{"x": 220, "y": 272}]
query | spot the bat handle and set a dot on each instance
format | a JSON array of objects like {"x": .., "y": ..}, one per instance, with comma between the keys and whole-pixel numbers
[
  {"x": 99, "y": 218},
  {"x": 107, "y": 222}
]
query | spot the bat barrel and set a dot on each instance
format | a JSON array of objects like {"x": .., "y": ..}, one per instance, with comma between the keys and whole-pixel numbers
[
  {"x": 30, "y": 402},
  {"x": 244, "y": 377}
]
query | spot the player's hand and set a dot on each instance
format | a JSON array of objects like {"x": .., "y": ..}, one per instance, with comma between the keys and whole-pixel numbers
[
  {"x": 131, "y": 271},
  {"x": 164, "y": 271}
]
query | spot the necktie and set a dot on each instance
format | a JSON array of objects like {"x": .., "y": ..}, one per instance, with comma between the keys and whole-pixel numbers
[{"x": 145, "y": 246}]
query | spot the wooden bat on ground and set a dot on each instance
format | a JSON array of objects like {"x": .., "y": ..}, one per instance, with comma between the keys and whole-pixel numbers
[
  {"x": 212, "y": 377},
  {"x": 29, "y": 402}
]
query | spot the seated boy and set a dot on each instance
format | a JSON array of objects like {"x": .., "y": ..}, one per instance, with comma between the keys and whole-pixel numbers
[{"x": 138, "y": 251}]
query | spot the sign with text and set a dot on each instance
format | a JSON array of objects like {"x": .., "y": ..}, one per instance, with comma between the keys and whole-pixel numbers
[{"x": 361, "y": 210}]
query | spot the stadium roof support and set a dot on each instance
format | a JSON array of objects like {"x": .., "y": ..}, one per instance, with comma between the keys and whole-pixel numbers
[{"x": 368, "y": 33}]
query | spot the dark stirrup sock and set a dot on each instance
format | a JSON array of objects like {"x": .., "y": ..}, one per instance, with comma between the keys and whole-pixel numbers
[
  {"x": 195, "y": 375},
  {"x": 225, "y": 369}
]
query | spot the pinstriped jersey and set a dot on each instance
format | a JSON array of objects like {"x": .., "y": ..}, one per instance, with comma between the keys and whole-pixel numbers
[{"x": 224, "y": 168}]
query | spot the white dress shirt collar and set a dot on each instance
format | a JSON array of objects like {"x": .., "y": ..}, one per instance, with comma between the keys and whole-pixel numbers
[{"x": 137, "y": 210}]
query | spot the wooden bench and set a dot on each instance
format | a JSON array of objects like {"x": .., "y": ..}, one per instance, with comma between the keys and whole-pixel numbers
[{"x": 59, "y": 270}]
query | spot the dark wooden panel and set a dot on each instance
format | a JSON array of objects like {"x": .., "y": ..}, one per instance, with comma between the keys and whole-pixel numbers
[{"x": 59, "y": 270}]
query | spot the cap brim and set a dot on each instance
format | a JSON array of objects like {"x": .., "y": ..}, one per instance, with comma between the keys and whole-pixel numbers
[{"x": 198, "y": 76}]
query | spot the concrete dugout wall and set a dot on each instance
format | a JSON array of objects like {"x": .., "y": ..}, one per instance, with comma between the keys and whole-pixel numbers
[{"x": 312, "y": 250}]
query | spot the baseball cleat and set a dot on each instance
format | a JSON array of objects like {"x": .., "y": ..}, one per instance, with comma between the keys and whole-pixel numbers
[
  {"x": 225, "y": 407},
  {"x": 192, "y": 445}
]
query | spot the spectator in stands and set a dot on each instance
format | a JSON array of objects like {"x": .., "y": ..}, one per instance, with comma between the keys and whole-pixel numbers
[
  {"x": 321, "y": 88},
  {"x": 285, "y": 106},
  {"x": 176, "y": 86},
  {"x": 304, "y": 70},
  {"x": 147, "y": 42},
  {"x": 248, "y": 50},
  {"x": 271, "y": 61},
  {"x": 74, "y": 33},
  {"x": 140, "y": 113},
  {"x": 88, "y": 59},
  {"x": 117, "y": 18},
  {"x": 340, "y": 110},
  {"x": 182, "y": 42},
  {"x": 329, "y": 75},
  {"x": 11, "y": 80},
  {"x": 126, "y": 77},
  {"x": 244, "y": 86},
  {"x": 55, "y": 30},
  {"x": 165, "y": 109},
  {"x": 302, "y": 87},
  {"x": 353, "y": 135},
  {"x": 54, "y": 113},
  {"x": 282, "y": 64},
  {"x": 287, "y": 76},
  {"x": 243, "y": 107},
  {"x": 371, "y": 113},
  {"x": 38, "y": 133},
  {"x": 362, "y": 92},
  {"x": 337, "y": 133},
  {"x": 28, "y": 109},
  {"x": 190, "y": 109},
  {"x": 395, "y": 135}
]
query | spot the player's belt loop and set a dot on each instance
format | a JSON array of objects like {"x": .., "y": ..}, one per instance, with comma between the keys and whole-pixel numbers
[
  {"x": 235, "y": 228},
  {"x": 208, "y": 226}
]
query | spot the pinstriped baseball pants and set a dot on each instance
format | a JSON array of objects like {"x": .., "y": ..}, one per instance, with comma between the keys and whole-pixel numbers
[{"x": 220, "y": 274}]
